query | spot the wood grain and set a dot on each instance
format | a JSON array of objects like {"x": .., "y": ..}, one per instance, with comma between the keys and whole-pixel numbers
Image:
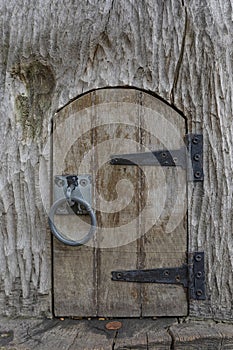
[
  {"x": 116, "y": 300},
  {"x": 73, "y": 268},
  {"x": 165, "y": 242},
  {"x": 160, "y": 334},
  {"x": 82, "y": 276},
  {"x": 202, "y": 336},
  {"x": 52, "y": 52}
]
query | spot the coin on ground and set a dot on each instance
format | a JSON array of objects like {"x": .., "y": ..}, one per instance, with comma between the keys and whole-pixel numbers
[{"x": 114, "y": 325}]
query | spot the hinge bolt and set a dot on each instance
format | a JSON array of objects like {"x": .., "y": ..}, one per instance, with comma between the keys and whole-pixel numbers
[
  {"x": 178, "y": 278},
  {"x": 83, "y": 182},
  {"x": 119, "y": 275},
  {"x": 199, "y": 292},
  {"x": 60, "y": 183},
  {"x": 197, "y": 174},
  {"x": 198, "y": 257},
  {"x": 199, "y": 274},
  {"x": 196, "y": 157},
  {"x": 195, "y": 140}
]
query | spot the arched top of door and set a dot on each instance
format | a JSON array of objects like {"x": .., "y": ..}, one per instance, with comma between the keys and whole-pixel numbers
[{"x": 120, "y": 93}]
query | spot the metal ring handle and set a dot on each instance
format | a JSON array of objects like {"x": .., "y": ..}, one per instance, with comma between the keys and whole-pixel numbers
[{"x": 58, "y": 235}]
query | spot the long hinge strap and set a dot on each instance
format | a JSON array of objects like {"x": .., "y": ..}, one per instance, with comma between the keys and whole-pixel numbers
[
  {"x": 191, "y": 276},
  {"x": 189, "y": 157}
]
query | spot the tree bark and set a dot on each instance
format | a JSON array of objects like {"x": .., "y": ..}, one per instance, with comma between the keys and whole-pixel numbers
[{"x": 53, "y": 51}]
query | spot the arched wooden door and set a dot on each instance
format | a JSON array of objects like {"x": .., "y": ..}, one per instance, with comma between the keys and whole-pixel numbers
[{"x": 141, "y": 211}]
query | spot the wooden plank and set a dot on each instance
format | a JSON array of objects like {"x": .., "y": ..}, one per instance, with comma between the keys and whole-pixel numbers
[
  {"x": 160, "y": 340},
  {"x": 92, "y": 336},
  {"x": 118, "y": 230},
  {"x": 164, "y": 243},
  {"x": 73, "y": 267},
  {"x": 196, "y": 337},
  {"x": 159, "y": 334},
  {"x": 226, "y": 331},
  {"x": 144, "y": 334},
  {"x": 136, "y": 342}
]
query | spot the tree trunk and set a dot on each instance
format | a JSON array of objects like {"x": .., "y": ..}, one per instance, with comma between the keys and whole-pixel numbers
[{"x": 53, "y": 51}]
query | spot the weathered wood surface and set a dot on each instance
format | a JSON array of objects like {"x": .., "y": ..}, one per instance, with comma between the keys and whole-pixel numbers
[
  {"x": 70, "y": 334},
  {"x": 202, "y": 336},
  {"x": 51, "y": 52},
  {"x": 140, "y": 228},
  {"x": 67, "y": 334},
  {"x": 165, "y": 243}
]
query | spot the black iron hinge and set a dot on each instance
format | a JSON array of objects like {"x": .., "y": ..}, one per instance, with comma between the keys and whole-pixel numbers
[
  {"x": 189, "y": 157},
  {"x": 190, "y": 275}
]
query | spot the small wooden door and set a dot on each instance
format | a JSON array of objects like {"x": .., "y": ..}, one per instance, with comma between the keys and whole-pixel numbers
[{"x": 141, "y": 211}]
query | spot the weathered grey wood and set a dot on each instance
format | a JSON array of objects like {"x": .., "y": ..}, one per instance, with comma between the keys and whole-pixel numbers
[
  {"x": 160, "y": 340},
  {"x": 226, "y": 332},
  {"x": 154, "y": 341},
  {"x": 160, "y": 334},
  {"x": 83, "y": 293},
  {"x": 207, "y": 103},
  {"x": 53, "y": 51},
  {"x": 54, "y": 334},
  {"x": 144, "y": 334},
  {"x": 82, "y": 276},
  {"x": 165, "y": 243},
  {"x": 202, "y": 336},
  {"x": 198, "y": 337},
  {"x": 93, "y": 339},
  {"x": 113, "y": 299},
  {"x": 74, "y": 268},
  {"x": 70, "y": 334}
]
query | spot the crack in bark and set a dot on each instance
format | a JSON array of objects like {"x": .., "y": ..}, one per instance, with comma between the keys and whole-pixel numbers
[
  {"x": 108, "y": 18},
  {"x": 180, "y": 59}
]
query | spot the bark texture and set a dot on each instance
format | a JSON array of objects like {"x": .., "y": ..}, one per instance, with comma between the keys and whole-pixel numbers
[{"x": 53, "y": 51}]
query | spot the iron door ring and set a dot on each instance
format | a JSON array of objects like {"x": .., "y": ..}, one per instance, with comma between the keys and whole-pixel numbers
[{"x": 59, "y": 235}]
